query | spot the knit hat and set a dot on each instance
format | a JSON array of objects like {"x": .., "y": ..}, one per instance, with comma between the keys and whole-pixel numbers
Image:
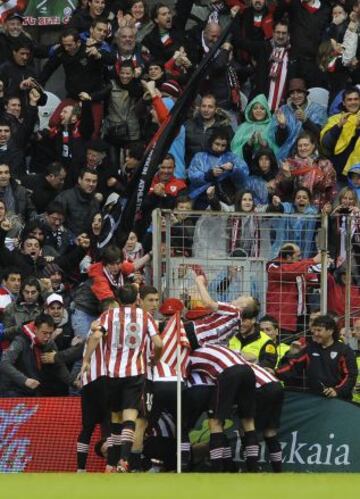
[{"x": 172, "y": 88}]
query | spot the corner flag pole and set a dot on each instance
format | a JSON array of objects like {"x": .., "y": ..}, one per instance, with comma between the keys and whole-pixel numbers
[{"x": 178, "y": 394}]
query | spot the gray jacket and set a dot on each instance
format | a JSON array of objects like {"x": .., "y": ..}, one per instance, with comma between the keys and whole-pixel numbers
[{"x": 18, "y": 363}]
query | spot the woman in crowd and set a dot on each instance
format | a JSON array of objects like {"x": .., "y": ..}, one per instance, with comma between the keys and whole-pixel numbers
[
  {"x": 298, "y": 230},
  {"x": 253, "y": 133},
  {"x": 307, "y": 169}
]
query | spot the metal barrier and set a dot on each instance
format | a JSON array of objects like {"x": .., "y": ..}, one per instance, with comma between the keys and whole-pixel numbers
[{"x": 238, "y": 253}]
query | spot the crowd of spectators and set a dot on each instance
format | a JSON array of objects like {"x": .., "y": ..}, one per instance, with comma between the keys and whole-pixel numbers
[{"x": 253, "y": 141}]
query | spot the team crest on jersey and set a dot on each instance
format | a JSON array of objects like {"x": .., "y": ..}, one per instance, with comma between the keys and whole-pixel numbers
[
  {"x": 333, "y": 355},
  {"x": 173, "y": 188}
]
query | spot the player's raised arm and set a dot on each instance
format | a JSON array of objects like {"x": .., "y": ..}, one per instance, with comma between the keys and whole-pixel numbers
[{"x": 208, "y": 302}]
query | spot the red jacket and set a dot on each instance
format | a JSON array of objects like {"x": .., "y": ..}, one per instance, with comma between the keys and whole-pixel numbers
[
  {"x": 336, "y": 298},
  {"x": 172, "y": 186},
  {"x": 285, "y": 298}
]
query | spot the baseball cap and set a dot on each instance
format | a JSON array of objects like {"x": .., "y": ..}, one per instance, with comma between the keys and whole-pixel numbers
[
  {"x": 14, "y": 15},
  {"x": 197, "y": 313},
  {"x": 54, "y": 297},
  {"x": 170, "y": 306}
]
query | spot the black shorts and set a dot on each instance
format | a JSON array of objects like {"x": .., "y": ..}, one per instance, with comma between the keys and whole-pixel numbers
[
  {"x": 269, "y": 402},
  {"x": 159, "y": 396},
  {"x": 126, "y": 393},
  {"x": 196, "y": 401},
  {"x": 146, "y": 400},
  {"x": 235, "y": 387},
  {"x": 95, "y": 406}
]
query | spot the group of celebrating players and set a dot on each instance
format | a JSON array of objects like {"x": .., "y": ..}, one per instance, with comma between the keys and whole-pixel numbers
[{"x": 129, "y": 376}]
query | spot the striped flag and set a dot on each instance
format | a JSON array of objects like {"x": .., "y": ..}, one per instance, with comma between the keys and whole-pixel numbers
[{"x": 166, "y": 367}]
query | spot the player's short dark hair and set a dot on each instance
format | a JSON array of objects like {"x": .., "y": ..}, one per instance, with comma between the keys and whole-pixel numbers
[
  {"x": 127, "y": 294},
  {"x": 112, "y": 254},
  {"x": 44, "y": 319},
  {"x": 147, "y": 290}
]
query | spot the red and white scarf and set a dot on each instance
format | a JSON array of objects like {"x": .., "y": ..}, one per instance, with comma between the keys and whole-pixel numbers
[
  {"x": 35, "y": 345},
  {"x": 279, "y": 59}
]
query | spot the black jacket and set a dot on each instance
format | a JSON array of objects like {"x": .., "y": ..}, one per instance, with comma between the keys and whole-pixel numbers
[
  {"x": 331, "y": 367},
  {"x": 82, "y": 73},
  {"x": 197, "y": 136},
  {"x": 79, "y": 209},
  {"x": 42, "y": 194},
  {"x": 12, "y": 75}
]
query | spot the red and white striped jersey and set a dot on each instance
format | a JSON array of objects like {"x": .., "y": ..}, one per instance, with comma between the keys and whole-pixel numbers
[
  {"x": 218, "y": 327},
  {"x": 209, "y": 362},
  {"x": 212, "y": 360},
  {"x": 263, "y": 377},
  {"x": 127, "y": 330},
  {"x": 165, "y": 369},
  {"x": 97, "y": 363}
]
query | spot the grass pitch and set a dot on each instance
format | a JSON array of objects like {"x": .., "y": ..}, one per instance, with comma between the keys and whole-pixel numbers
[{"x": 171, "y": 486}]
